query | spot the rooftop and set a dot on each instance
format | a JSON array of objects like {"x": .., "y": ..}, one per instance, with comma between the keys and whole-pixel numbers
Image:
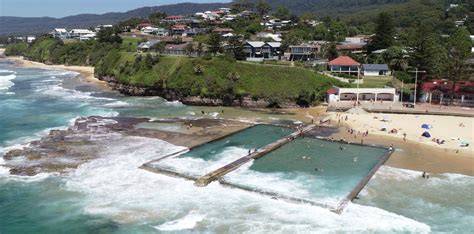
[
  {"x": 344, "y": 61},
  {"x": 376, "y": 67}
]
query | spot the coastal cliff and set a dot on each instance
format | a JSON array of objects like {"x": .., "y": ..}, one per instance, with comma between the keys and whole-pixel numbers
[{"x": 134, "y": 90}]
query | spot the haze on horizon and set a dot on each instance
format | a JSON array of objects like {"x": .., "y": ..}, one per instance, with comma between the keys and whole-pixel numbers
[{"x": 62, "y": 8}]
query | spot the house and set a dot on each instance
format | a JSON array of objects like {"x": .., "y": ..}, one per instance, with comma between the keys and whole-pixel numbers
[
  {"x": 305, "y": 51},
  {"x": 178, "y": 49},
  {"x": 375, "y": 70},
  {"x": 222, "y": 31},
  {"x": 191, "y": 32},
  {"x": 336, "y": 94},
  {"x": 155, "y": 31},
  {"x": 259, "y": 50},
  {"x": 271, "y": 50},
  {"x": 344, "y": 64},
  {"x": 178, "y": 29},
  {"x": 350, "y": 47},
  {"x": 144, "y": 25},
  {"x": 439, "y": 92},
  {"x": 147, "y": 46},
  {"x": 102, "y": 26},
  {"x": 30, "y": 39},
  {"x": 81, "y": 33},
  {"x": 359, "y": 39},
  {"x": 174, "y": 18},
  {"x": 60, "y": 33},
  {"x": 253, "y": 49}
]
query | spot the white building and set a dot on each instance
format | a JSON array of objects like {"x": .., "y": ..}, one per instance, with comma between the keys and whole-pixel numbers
[
  {"x": 30, "y": 39},
  {"x": 102, "y": 26},
  {"x": 61, "y": 33},
  {"x": 81, "y": 33},
  {"x": 375, "y": 70},
  {"x": 336, "y": 94}
]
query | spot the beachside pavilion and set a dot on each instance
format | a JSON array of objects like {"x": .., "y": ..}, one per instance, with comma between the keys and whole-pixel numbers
[{"x": 336, "y": 94}]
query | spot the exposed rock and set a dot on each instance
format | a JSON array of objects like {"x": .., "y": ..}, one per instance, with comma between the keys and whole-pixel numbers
[
  {"x": 62, "y": 150},
  {"x": 170, "y": 95}
]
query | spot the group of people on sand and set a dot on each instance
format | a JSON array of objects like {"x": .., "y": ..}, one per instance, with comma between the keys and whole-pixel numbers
[
  {"x": 340, "y": 118},
  {"x": 438, "y": 141}
]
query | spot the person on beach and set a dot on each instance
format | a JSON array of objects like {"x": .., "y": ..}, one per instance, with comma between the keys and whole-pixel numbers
[
  {"x": 390, "y": 148},
  {"x": 423, "y": 175},
  {"x": 404, "y": 136}
]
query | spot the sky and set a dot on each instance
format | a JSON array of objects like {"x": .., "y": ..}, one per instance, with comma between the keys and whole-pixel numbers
[{"x": 61, "y": 8}]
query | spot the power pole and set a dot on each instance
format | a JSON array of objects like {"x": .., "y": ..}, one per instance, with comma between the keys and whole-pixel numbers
[
  {"x": 401, "y": 94},
  {"x": 358, "y": 81},
  {"x": 416, "y": 71}
]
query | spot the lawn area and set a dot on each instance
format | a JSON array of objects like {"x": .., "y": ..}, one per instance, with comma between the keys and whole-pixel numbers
[
  {"x": 376, "y": 82},
  {"x": 130, "y": 44}
]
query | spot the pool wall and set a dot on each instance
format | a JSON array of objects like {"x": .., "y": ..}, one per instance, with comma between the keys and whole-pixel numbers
[{"x": 261, "y": 153}]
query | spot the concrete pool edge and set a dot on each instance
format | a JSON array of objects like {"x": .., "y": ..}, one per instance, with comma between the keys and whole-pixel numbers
[{"x": 198, "y": 180}]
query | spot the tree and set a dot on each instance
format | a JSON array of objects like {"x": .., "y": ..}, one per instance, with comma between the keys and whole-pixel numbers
[
  {"x": 199, "y": 49},
  {"x": 108, "y": 35},
  {"x": 159, "y": 47},
  {"x": 426, "y": 51},
  {"x": 156, "y": 17},
  {"x": 214, "y": 43},
  {"x": 282, "y": 13},
  {"x": 330, "y": 51},
  {"x": 263, "y": 8},
  {"x": 458, "y": 51},
  {"x": 236, "y": 48},
  {"x": 189, "y": 49},
  {"x": 384, "y": 33},
  {"x": 395, "y": 57}
]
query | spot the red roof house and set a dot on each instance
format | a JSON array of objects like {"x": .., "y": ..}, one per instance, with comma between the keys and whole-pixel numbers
[
  {"x": 344, "y": 64},
  {"x": 344, "y": 61},
  {"x": 434, "y": 90}
]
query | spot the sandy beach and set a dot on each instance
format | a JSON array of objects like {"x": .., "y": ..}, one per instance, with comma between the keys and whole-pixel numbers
[
  {"x": 86, "y": 72},
  {"x": 415, "y": 152}
]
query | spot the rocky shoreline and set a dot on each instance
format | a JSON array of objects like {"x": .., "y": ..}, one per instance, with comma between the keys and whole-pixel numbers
[
  {"x": 64, "y": 150},
  {"x": 132, "y": 90}
]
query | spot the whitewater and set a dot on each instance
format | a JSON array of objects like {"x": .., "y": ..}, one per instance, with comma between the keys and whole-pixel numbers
[{"x": 112, "y": 195}]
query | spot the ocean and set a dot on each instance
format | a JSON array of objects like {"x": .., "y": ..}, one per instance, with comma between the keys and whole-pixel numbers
[{"x": 112, "y": 195}]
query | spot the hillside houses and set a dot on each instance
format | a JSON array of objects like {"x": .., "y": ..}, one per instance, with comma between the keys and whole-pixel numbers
[{"x": 80, "y": 34}]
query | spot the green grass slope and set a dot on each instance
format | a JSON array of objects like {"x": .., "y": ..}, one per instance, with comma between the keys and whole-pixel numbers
[{"x": 216, "y": 78}]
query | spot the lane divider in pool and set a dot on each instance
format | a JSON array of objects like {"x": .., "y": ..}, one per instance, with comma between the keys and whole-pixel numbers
[{"x": 215, "y": 175}]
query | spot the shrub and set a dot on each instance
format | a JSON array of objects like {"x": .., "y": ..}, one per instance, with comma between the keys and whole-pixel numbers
[{"x": 403, "y": 76}]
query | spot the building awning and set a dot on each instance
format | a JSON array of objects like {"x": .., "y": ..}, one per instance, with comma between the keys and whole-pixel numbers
[{"x": 332, "y": 91}]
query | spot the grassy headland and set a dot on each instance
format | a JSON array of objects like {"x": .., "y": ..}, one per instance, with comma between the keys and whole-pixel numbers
[{"x": 209, "y": 77}]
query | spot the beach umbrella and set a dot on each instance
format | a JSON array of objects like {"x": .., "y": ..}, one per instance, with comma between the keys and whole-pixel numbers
[
  {"x": 426, "y": 134},
  {"x": 426, "y": 126},
  {"x": 386, "y": 118}
]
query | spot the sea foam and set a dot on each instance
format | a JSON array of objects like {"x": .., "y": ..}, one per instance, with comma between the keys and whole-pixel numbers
[
  {"x": 116, "y": 188},
  {"x": 6, "y": 80}
]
